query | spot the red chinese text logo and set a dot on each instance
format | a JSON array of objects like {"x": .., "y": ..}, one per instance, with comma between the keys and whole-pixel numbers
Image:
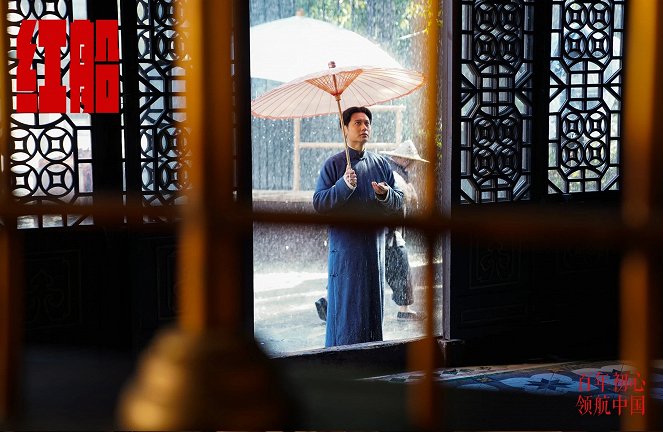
[
  {"x": 94, "y": 70},
  {"x": 629, "y": 398}
]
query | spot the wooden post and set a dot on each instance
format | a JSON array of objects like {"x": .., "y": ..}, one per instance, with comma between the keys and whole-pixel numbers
[
  {"x": 10, "y": 325},
  {"x": 11, "y": 304},
  {"x": 422, "y": 402},
  {"x": 642, "y": 191},
  {"x": 184, "y": 376}
]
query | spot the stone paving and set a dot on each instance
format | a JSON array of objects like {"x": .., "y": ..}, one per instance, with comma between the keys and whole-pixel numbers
[{"x": 286, "y": 320}]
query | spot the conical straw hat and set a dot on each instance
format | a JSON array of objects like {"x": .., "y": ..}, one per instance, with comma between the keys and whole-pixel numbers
[{"x": 406, "y": 150}]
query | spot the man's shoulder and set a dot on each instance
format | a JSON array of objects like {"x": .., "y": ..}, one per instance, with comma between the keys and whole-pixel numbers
[
  {"x": 335, "y": 160},
  {"x": 336, "y": 157},
  {"x": 377, "y": 157}
]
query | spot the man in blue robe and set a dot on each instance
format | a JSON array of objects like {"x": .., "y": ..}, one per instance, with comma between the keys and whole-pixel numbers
[{"x": 356, "y": 266}]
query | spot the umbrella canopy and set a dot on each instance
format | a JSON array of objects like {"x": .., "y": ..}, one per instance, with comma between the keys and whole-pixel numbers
[
  {"x": 321, "y": 93},
  {"x": 286, "y": 49}
]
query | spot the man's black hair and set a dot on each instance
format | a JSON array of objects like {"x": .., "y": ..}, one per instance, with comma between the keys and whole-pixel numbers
[{"x": 347, "y": 114}]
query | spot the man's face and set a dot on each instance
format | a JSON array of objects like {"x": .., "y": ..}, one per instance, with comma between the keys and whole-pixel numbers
[{"x": 359, "y": 128}]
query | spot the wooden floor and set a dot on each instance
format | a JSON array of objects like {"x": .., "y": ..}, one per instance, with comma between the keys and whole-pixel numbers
[{"x": 77, "y": 389}]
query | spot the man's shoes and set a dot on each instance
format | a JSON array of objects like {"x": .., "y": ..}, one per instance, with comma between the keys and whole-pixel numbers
[
  {"x": 321, "y": 306},
  {"x": 409, "y": 316}
]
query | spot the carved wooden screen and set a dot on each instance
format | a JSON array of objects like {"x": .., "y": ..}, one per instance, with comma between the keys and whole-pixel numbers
[
  {"x": 585, "y": 96},
  {"x": 537, "y": 111},
  {"x": 51, "y": 161},
  {"x": 497, "y": 51},
  {"x": 161, "y": 90},
  {"x": 55, "y": 156},
  {"x": 500, "y": 58},
  {"x": 73, "y": 276}
]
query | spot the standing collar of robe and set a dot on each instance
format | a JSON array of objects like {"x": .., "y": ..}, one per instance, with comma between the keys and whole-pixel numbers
[{"x": 356, "y": 155}]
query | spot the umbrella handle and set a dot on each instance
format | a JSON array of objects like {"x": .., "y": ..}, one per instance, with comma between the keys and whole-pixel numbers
[
  {"x": 332, "y": 65},
  {"x": 345, "y": 138}
]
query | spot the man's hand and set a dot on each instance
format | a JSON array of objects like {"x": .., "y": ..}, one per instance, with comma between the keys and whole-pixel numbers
[
  {"x": 350, "y": 176},
  {"x": 380, "y": 189}
]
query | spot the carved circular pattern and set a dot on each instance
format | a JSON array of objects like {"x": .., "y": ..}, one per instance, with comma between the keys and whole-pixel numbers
[
  {"x": 168, "y": 44},
  {"x": 586, "y": 26},
  {"x": 168, "y": 174},
  {"x": 599, "y": 44},
  {"x": 600, "y": 16},
  {"x": 57, "y": 179},
  {"x": 41, "y": 162},
  {"x": 143, "y": 44},
  {"x": 509, "y": 132},
  {"x": 571, "y": 154},
  {"x": 172, "y": 142},
  {"x": 507, "y": 161},
  {"x": 25, "y": 145},
  {"x": 497, "y": 36},
  {"x": 575, "y": 15},
  {"x": 496, "y": 145},
  {"x": 485, "y": 163},
  {"x": 485, "y": 47},
  {"x": 574, "y": 154},
  {"x": 510, "y": 44},
  {"x": 168, "y": 13},
  {"x": 596, "y": 125},
  {"x": 484, "y": 131},
  {"x": 572, "y": 126},
  {"x": 146, "y": 143},
  {"x": 173, "y": 176},
  {"x": 511, "y": 16},
  {"x": 164, "y": 12},
  {"x": 147, "y": 176},
  {"x": 496, "y": 135},
  {"x": 596, "y": 153},
  {"x": 485, "y": 16},
  {"x": 24, "y": 180},
  {"x": 575, "y": 45},
  {"x": 142, "y": 11},
  {"x": 489, "y": 163},
  {"x": 56, "y": 144},
  {"x": 38, "y": 9},
  {"x": 576, "y": 151}
]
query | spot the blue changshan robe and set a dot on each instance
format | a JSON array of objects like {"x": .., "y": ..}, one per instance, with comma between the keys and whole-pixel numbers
[{"x": 356, "y": 278}]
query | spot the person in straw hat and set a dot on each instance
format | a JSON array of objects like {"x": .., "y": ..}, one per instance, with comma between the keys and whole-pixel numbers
[{"x": 397, "y": 266}]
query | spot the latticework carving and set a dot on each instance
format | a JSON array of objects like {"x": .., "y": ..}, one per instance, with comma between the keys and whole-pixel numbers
[
  {"x": 496, "y": 108},
  {"x": 51, "y": 159},
  {"x": 163, "y": 137},
  {"x": 585, "y": 95}
]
